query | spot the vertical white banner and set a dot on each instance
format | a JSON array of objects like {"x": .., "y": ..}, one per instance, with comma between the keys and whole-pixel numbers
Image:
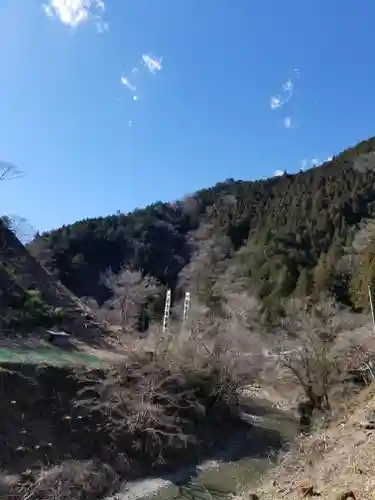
[{"x": 167, "y": 309}]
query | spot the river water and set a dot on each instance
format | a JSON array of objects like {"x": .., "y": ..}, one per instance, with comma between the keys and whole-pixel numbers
[{"x": 246, "y": 456}]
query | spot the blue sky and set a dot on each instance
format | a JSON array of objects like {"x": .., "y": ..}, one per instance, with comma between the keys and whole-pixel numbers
[{"x": 204, "y": 115}]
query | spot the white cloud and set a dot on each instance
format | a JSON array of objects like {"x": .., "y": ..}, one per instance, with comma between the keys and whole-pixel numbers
[
  {"x": 153, "y": 65},
  {"x": 304, "y": 163},
  {"x": 330, "y": 158},
  {"x": 288, "y": 86},
  {"x": 101, "y": 26},
  {"x": 275, "y": 102},
  {"x": 75, "y": 12},
  {"x": 287, "y": 122},
  {"x": 47, "y": 10},
  {"x": 310, "y": 163},
  {"x": 126, "y": 82},
  {"x": 278, "y": 173}
]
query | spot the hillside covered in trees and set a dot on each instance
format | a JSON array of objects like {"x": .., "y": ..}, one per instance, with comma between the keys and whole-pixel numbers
[
  {"x": 243, "y": 249},
  {"x": 288, "y": 235}
]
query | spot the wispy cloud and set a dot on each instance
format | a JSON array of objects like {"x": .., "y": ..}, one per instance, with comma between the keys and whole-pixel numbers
[
  {"x": 278, "y": 173},
  {"x": 288, "y": 86},
  {"x": 128, "y": 84},
  {"x": 278, "y": 101},
  {"x": 287, "y": 122},
  {"x": 75, "y": 12},
  {"x": 151, "y": 64},
  {"x": 146, "y": 65}
]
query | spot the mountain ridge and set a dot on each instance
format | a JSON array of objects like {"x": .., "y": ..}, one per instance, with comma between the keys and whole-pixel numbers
[{"x": 297, "y": 218}]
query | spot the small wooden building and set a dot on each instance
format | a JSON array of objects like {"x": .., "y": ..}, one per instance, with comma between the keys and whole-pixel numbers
[{"x": 61, "y": 339}]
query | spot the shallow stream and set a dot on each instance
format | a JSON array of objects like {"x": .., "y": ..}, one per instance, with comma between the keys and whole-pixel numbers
[{"x": 246, "y": 456}]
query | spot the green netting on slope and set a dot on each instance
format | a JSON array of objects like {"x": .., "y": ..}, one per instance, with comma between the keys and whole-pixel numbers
[{"x": 48, "y": 356}]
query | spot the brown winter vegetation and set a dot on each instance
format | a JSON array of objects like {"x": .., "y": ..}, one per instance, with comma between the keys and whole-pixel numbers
[
  {"x": 275, "y": 278},
  {"x": 332, "y": 362},
  {"x": 171, "y": 398},
  {"x": 170, "y": 383},
  {"x": 165, "y": 403},
  {"x": 130, "y": 292},
  {"x": 311, "y": 352},
  {"x": 331, "y": 461}
]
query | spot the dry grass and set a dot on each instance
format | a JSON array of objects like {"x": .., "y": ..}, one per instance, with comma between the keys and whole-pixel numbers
[
  {"x": 332, "y": 461},
  {"x": 165, "y": 393},
  {"x": 338, "y": 456},
  {"x": 70, "y": 480},
  {"x": 158, "y": 394}
]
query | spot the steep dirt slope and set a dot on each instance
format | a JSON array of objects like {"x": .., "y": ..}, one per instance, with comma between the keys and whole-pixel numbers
[
  {"x": 331, "y": 462},
  {"x": 21, "y": 272}
]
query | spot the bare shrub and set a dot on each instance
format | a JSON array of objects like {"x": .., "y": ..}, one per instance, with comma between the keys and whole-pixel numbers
[
  {"x": 142, "y": 400},
  {"x": 72, "y": 480},
  {"x": 89, "y": 302},
  {"x": 169, "y": 383}
]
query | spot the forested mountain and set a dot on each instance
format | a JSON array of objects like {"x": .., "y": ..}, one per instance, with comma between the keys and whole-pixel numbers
[{"x": 281, "y": 236}]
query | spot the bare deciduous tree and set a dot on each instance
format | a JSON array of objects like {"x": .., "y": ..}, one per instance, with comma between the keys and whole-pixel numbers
[
  {"x": 130, "y": 291},
  {"x": 208, "y": 263},
  {"x": 17, "y": 225},
  {"x": 364, "y": 238},
  {"x": 190, "y": 205},
  {"x": 9, "y": 171},
  {"x": 309, "y": 352}
]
